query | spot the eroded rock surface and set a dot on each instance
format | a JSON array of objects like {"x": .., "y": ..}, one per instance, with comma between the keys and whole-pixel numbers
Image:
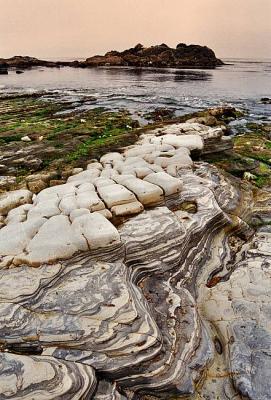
[
  {"x": 241, "y": 313},
  {"x": 139, "y": 278}
]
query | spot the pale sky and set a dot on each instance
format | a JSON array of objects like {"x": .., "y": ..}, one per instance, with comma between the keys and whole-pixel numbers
[{"x": 81, "y": 28}]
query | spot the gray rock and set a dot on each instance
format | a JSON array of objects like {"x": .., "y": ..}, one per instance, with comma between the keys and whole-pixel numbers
[{"x": 140, "y": 272}]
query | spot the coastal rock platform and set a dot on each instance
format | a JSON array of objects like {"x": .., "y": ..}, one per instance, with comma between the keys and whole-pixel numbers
[{"x": 138, "y": 278}]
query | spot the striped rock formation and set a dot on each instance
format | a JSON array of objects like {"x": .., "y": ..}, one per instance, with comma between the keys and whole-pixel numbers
[{"x": 119, "y": 283}]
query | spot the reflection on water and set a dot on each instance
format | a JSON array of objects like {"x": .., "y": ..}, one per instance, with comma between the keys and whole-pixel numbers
[
  {"x": 182, "y": 76},
  {"x": 159, "y": 74},
  {"x": 241, "y": 83}
]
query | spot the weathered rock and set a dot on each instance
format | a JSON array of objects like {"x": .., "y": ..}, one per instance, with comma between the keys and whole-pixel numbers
[
  {"x": 191, "y": 142},
  {"x": 166, "y": 182},
  {"x": 18, "y": 214},
  {"x": 55, "y": 182},
  {"x": 85, "y": 176},
  {"x": 10, "y": 200},
  {"x": 223, "y": 112},
  {"x": 121, "y": 210},
  {"x": 146, "y": 276},
  {"x": 36, "y": 185},
  {"x": 76, "y": 171},
  {"x": 208, "y": 120},
  {"x": 11, "y": 159},
  {"x": 192, "y": 135},
  {"x": 108, "y": 391},
  {"x": 147, "y": 193},
  {"x": 240, "y": 311},
  {"x": 115, "y": 195},
  {"x": 23, "y": 377},
  {"x": 111, "y": 158},
  {"x": 6, "y": 182},
  {"x": 15, "y": 237}
]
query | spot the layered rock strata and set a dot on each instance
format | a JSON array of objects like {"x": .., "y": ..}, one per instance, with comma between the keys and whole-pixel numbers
[{"x": 118, "y": 284}]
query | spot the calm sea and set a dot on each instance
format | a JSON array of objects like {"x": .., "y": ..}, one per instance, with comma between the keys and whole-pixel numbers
[{"x": 241, "y": 83}]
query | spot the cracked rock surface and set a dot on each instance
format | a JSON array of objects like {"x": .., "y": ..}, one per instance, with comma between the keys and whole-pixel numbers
[{"x": 139, "y": 278}]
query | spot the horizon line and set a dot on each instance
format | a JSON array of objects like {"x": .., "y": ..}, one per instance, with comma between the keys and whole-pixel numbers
[{"x": 73, "y": 58}]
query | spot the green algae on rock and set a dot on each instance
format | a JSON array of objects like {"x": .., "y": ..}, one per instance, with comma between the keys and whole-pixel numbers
[
  {"x": 37, "y": 135},
  {"x": 251, "y": 155}
]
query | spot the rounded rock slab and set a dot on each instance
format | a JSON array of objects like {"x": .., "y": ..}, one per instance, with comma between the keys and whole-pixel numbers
[
  {"x": 114, "y": 195},
  {"x": 13, "y": 199},
  {"x": 111, "y": 158},
  {"x": 169, "y": 184},
  {"x": 192, "y": 142},
  {"x": 97, "y": 230},
  {"x": 147, "y": 193}
]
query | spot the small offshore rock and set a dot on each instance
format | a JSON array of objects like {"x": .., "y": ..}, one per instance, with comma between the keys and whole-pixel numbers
[
  {"x": 3, "y": 68},
  {"x": 265, "y": 100},
  {"x": 159, "y": 56}
]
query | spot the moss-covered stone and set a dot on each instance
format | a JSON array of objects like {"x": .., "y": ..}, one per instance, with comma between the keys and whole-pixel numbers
[
  {"x": 251, "y": 155},
  {"x": 59, "y": 138}
]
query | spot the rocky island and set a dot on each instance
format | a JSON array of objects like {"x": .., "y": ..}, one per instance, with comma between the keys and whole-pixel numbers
[
  {"x": 160, "y": 56},
  {"x": 144, "y": 274}
]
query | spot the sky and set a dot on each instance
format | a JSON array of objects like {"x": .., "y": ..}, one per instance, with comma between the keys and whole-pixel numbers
[{"x": 82, "y": 28}]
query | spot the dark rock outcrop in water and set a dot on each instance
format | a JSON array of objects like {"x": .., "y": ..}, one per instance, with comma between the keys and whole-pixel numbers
[
  {"x": 265, "y": 100},
  {"x": 24, "y": 62},
  {"x": 3, "y": 67},
  {"x": 159, "y": 56}
]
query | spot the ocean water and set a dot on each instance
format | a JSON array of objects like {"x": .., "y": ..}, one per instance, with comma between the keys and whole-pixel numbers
[{"x": 241, "y": 83}]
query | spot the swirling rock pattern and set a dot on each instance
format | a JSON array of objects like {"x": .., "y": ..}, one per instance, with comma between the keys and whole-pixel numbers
[
  {"x": 44, "y": 378},
  {"x": 108, "y": 282}
]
